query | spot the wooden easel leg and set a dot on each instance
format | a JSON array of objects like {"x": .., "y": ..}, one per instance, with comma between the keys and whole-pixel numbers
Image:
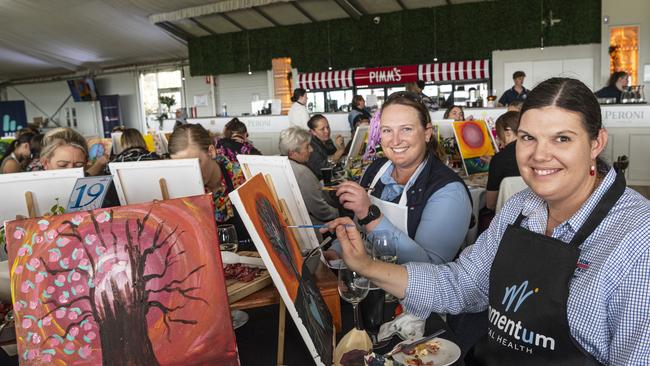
[{"x": 281, "y": 325}]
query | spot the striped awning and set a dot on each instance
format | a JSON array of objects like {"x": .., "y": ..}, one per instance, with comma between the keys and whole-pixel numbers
[
  {"x": 454, "y": 71},
  {"x": 325, "y": 80}
]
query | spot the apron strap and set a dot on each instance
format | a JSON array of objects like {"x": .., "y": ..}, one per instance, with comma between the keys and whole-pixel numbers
[
  {"x": 520, "y": 218},
  {"x": 614, "y": 192}
]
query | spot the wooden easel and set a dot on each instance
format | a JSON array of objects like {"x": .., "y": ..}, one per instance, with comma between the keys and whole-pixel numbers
[
  {"x": 163, "y": 189},
  {"x": 29, "y": 201}
]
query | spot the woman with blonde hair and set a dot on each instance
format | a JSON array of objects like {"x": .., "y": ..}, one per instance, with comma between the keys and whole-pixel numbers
[{"x": 65, "y": 148}]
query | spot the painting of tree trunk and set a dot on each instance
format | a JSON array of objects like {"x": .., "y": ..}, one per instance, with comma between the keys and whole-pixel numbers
[{"x": 132, "y": 285}]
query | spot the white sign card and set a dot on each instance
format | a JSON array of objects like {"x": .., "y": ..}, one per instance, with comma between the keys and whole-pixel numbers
[
  {"x": 88, "y": 193},
  {"x": 286, "y": 186},
  {"x": 48, "y": 188},
  {"x": 139, "y": 181},
  {"x": 360, "y": 137}
]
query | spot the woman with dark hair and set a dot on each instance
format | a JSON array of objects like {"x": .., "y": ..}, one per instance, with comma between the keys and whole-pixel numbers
[
  {"x": 235, "y": 141},
  {"x": 298, "y": 113},
  {"x": 18, "y": 154},
  {"x": 615, "y": 85},
  {"x": 413, "y": 194},
  {"x": 324, "y": 149},
  {"x": 358, "y": 107},
  {"x": 454, "y": 112},
  {"x": 563, "y": 268},
  {"x": 35, "y": 146}
]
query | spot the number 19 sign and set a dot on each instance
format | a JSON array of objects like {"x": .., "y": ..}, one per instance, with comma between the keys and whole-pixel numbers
[{"x": 88, "y": 193}]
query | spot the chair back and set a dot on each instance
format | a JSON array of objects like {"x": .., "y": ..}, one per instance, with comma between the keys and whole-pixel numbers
[{"x": 509, "y": 186}]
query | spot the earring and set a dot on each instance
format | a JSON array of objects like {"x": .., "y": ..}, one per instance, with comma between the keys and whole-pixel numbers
[{"x": 592, "y": 170}]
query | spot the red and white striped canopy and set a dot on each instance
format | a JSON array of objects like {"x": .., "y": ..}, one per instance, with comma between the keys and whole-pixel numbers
[
  {"x": 325, "y": 80},
  {"x": 452, "y": 71}
]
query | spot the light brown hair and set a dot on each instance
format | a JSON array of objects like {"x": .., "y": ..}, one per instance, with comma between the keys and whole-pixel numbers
[
  {"x": 189, "y": 135},
  {"x": 132, "y": 138},
  {"x": 62, "y": 136}
]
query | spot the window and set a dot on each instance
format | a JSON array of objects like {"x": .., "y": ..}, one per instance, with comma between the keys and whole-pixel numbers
[{"x": 155, "y": 85}]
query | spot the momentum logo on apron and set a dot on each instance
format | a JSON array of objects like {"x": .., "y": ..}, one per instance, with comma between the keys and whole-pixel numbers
[{"x": 515, "y": 332}]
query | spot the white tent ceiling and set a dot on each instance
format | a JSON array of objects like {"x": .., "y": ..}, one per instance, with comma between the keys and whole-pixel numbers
[{"x": 48, "y": 37}]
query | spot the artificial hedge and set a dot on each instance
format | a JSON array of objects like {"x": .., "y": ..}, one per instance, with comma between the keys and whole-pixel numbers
[{"x": 462, "y": 32}]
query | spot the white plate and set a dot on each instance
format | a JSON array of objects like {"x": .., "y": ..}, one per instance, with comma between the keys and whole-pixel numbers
[
  {"x": 448, "y": 353},
  {"x": 239, "y": 318}
]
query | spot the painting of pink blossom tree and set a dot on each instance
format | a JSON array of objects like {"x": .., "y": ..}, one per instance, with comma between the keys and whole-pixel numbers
[{"x": 132, "y": 285}]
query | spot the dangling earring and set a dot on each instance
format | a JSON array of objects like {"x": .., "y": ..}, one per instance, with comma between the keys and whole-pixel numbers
[{"x": 592, "y": 170}]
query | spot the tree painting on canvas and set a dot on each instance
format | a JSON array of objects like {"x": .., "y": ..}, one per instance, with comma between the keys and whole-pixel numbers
[
  {"x": 281, "y": 254},
  {"x": 132, "y": 285}
]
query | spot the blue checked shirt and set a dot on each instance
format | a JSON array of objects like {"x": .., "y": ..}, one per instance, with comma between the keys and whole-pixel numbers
[{"x": 608, "y": 308}]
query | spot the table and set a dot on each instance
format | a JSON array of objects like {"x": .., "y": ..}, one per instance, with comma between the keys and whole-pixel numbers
[{"x": 327, "y": 284}]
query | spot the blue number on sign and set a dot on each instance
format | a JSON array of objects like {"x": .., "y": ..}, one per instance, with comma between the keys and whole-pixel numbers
[{"x": 94, "y": 194}]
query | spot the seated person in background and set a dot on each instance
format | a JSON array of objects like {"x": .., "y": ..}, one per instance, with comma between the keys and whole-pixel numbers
[
  {"x": 235, "y": 141},
  {"x": 615, "y": 85},
  {"x": 323, "y": 146},
  {"x": 413, "y": 194},
  {"x": 65, "y": 148},
  {"x": 193, "y": 141},
  {"x": 35, "y": 146},
  {"x": 503, "y": 163},
  {"x": 515, "y": 106},
  {"x": 18, "y": 154},
  {"x": 135, "y": 149},
  {"x": 456, "y": 113},
  {"x": 358, "y": 108},
  {"x": 517, "y": 92},
  {"x": 294, "y": 143}
]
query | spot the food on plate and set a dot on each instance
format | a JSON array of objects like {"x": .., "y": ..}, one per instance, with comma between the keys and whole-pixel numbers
[
  {"x": 415, "y": 361},
  {"x": 421, "y": 350},
  {"x": 241, "y": 272}
]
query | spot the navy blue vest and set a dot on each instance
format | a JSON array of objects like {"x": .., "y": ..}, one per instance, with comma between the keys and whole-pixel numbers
[{"x": 433, "y": 176}]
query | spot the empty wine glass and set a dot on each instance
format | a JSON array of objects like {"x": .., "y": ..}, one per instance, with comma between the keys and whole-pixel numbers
[
  {"x": 384, "y": 247},
  {"x": 353, "y": 288},
  {"x": 228, "y": 238}
]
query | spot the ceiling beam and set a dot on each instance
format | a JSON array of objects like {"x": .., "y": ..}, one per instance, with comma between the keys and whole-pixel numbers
[
  {"x": 266, "y": 16},
  {"x": 218, "y": 7},
  {"x": 352, "y": 12},
  {"x": 401, "y": 4},
  {"x": 177, "y": 33},
  {"x": 303, "y": 11},
  {"x": 203, "y": 26},
  {"x": 64, "y": 63},
  {"x": 233, "y": 21},
  {"x": 355, "y": 4}
]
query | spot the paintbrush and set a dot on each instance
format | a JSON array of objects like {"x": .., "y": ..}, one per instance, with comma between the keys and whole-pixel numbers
[
  {"x": 312, "y": 226},
  {"x": 334, "y": 188}
]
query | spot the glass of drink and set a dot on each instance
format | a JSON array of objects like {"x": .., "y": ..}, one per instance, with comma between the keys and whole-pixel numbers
[
  {"x": 384, "y": 247},
  {"x": 227, "y": 238},
  {"x": 353, "y": 288}
]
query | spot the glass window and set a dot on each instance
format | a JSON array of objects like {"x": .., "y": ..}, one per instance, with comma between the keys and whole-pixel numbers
[
  {"x": 339, "y": 100},
  {"x": 154, "y": 85},
  {"x": 373, "y": 97},
  {"x": 316, "y": 102}
]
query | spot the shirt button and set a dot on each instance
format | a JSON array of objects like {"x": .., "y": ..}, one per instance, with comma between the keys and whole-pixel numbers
[
  {"x": 419, "y": 189},
  {"x": 412, "y": 208},
  {"x": 413, "y": 192}
]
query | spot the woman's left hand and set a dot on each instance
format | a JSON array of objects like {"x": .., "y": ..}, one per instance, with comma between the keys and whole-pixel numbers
[{"x": 354, "y": 197}]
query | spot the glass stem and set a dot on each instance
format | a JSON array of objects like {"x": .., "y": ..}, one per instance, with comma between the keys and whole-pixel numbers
[{"x": 355, "y": 308}]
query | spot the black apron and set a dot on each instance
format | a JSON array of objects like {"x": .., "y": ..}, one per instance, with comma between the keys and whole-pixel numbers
[{"x": 529, "y": 289}]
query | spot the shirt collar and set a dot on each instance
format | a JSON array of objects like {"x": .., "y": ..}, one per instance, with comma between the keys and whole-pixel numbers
[{"x": 535, "y": 208}]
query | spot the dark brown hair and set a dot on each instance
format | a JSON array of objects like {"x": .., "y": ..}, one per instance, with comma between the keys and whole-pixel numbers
[
  {"x": 446, "y": 115},
  {"x": 571, "y": 95},
  {"x": 189, "y": 135},
  {"x": 615, "y": 76},
  {"x": 297, "y": 93},
  {"x": 518, "y": 74},
  {"x": 315, "y": 118},
  {"x": 507, "y": 121},
  {"x": 132, "y": 138},
  {"x": 356, "y": 100},
  {"x": 234, "y": 126},
  {"x": 412, "y": 100}
]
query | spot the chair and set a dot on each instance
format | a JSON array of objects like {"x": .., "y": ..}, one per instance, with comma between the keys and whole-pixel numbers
[
  {"x": 509, "y": 186},
  {"x": 621, "y": 163}
]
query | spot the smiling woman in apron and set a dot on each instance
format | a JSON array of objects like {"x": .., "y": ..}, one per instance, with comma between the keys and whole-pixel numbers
[
  {"x": 564, "y": 268},
  {"x": 412, "y": 193}
]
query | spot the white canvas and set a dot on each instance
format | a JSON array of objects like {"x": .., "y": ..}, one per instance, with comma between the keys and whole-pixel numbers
[
  {"x": 357, "y": 141},
  {"x": 138, "y": 181},
  {"x": 46, "y": 187},
  {"x": 286, "y": 187}
]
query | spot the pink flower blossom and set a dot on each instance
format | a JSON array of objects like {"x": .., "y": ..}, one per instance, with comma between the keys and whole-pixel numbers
[
  {"x": 46, "y": 358},
  {"x": 33, "y": 304},
  {"x": 39, "y": 278},
  {"x": 47, "y": 320},
  {"x": 26, "y": 323},
  {"x": 80, "y": 289},
  {"x": 85, "y": 351},
  {"x": 31, "y": 354},
  {"x": 25, "y": 287},
  {"x": 50, "y": 235},
  {"x": 43, "y": 224},
  {"x": 19, "y": 268},
  {"x": 88, "y": 326},
  {"x": 22, "y": 251},
  {"x": 84, "y": 262},
  {"x": 76, "y": 276},
  {"x": 91, "y": 335},
  {"x": 54, "y": 256},
  {"x": 36, "y": 339},
  {"x": 39, "y": 239},
  {"x": 60, "y": 313},
  {"x": 18, "y": 234},
  {"x": 34, "y": 262},
  {"x": 63, "y": 299},
  {"x": 60, "y": 278},
  {"x": 72, "y": 315},
  {"x": 50, "y": 289},
  {"x": 74, "y": 331}
]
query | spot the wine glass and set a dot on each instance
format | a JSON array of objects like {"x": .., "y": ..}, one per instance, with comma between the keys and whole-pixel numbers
[
  {"x": 228, "y": 238},
  {"x": 353, "y": 288},
  {"x": 384, "y": 247}
]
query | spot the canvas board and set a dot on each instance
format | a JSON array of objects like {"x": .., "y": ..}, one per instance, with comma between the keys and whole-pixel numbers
[
  {"x": 282, "y": 257},
  {"x": 98, "y": 147},
  {"x": 48, "y": 188},
  {"x": 357, "y": 148},
  {"x": 286, "y": 187},
  {"x": 474, "y": 141},
  {"x": 117, "y": 145},
  {"x": 138, "y": 181},
  {"x": 131, "y": 285}
]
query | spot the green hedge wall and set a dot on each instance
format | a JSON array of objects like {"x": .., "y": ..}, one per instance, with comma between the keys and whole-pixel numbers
[{"x": 462, "y": 32}]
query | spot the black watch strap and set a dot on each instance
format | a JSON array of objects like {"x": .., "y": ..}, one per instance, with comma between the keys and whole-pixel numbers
[{"x": 373, "y": 214}]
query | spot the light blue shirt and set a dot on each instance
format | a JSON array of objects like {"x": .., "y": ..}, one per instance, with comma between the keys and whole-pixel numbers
[
  {"x": 608, "y": 308},
  {"x": 442, "y": 228}
]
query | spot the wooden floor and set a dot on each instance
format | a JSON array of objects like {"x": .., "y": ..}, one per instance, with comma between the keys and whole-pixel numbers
[{"x": 644, "y": 190}]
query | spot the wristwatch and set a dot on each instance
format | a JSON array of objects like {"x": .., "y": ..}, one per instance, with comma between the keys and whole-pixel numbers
[{"x": 373, "y": 213}]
